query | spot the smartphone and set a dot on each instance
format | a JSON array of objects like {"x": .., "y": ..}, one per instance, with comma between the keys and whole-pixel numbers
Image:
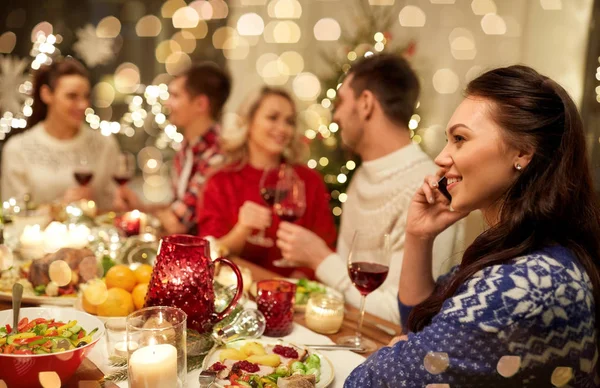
[{"x": 442, "y": 183}]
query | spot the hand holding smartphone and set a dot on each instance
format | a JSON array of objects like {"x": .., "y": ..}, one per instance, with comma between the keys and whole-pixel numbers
[{"x": 442, "y": 187}]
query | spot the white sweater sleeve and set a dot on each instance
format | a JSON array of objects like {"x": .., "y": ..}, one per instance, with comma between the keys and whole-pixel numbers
[
  {"x": 383, "y": 302},
  {"x": 14, "y": 171}
]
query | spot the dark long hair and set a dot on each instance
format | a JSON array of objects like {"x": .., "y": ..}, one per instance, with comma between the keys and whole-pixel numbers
[
  {"x": 49, "y": 75},
  {"x": 551, "y": 202}
]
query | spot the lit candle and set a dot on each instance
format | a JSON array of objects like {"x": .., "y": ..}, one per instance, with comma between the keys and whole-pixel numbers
[
  {"x": 78, "y": 236},
  {"x": 153, "y": 366},
  {"x": 32, "y": 236},
  {"x": 324, "y": 313},
  {"x": 121, "y": 348},
  {"x": 56, "y": 236}
]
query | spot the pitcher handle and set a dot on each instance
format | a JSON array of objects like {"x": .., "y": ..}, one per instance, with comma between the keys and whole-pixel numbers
[{"x": 240, "y": 287}]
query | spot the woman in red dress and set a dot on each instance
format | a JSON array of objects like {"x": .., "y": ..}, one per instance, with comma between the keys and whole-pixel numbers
[{"x": 232, "y": 210}]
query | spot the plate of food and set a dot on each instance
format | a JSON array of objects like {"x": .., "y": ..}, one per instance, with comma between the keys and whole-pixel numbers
[
  {"x": 304, "y": 289},
  {"x": 268, "y": 363},
  {"x": 53, "y": 279}
]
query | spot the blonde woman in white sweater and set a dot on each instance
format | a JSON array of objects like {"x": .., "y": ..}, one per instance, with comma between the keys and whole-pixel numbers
[{"x": 373, "y": 107}]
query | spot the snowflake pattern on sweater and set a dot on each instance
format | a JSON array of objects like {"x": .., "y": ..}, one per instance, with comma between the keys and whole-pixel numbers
[{"x": 536, "y": 312}]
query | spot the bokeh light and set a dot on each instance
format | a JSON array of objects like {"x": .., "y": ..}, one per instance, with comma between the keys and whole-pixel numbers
[
  {"x": 103, "y": 94},
  {"x": 221, "y": 35},
  {"x": 44, "y": 28},
  {"x": 290, "y": 63},
  {"x": 282, "y": 32},
  {"x": 8, "y": 40},
  {"x": 203, "y": 8},
  {"x": 166, "y": 48},
  {"x": 284, "y": 9},
  {"x": 483, "y": 7},
  {"x": 127, "y": 78},
  {"x": 177, "y": 63},
  {"x": 327, "y": 29},
  {"x": 412, "y": 16},
  {"x": 250, "y": 24},
  {"x": 445, "y": 81},
  {"x": 16, "y": 18},
  {"x": 168, "y": 9},
  {"x": 493, "y": 24},
  {"x": 185, "y": 40},
  {"x": 109, "y": 27},
  {"x": 307, "y": 86},
  {"x": 220, "y": 10},
  {"x": 148, "y": 26},
  {"x": 185, "y": 17},
  {"x": 200, "y": 31},
  {"x": 236, "y": 48}
]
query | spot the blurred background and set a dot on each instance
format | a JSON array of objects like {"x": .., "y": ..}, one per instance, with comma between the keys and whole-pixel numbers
[{"x": 133, "y": 47}]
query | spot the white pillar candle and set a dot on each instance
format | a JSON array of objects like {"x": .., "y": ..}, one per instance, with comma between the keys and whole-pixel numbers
[
  {"x": 32, "y": 236},
  {"x": 153, "y": 366}
]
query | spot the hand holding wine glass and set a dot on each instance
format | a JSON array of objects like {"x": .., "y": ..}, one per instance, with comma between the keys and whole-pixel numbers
[
  {"x": 368, "y": 266},
  {"x": 290, "y": 204},
  {"x": 267, "y": 187}
]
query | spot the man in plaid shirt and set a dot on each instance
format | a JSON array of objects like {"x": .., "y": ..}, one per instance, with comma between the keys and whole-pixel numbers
[{"x": 196, "y": 100}]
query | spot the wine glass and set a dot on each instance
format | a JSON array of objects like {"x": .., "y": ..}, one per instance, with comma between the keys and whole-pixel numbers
[
  {"x": 290, "y": 204},
  {"x": 125, "y": 169},
  {"x": 267, "y": 187},
  {"x": 368, "y": 266},
  {"x": 83, "y": 171}
]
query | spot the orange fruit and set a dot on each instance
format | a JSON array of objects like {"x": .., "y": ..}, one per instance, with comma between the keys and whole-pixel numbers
[
  {"x": 143, "y": 273},
  {"x": 118, "y": 304},
  {"x": 88, "y": 307},
  {"x": 121, "y": 276},
  {"x": 139, "y": 295}
]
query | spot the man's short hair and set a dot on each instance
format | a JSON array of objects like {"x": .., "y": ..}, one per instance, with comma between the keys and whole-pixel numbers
[
  {"x": 212, "y": 81},
  {"x": 393, "y": 82}
]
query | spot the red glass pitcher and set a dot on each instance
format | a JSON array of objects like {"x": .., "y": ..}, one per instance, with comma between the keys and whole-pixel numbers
[{"x": 183, "y": 277}]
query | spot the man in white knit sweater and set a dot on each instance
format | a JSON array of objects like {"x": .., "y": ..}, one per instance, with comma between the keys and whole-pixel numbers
[{"x": 373, "y": 107}]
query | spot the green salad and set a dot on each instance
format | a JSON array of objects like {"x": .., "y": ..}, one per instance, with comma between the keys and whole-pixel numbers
[
  {"x": 305, "y": 287},
  {"x": 43, "y": 336}
]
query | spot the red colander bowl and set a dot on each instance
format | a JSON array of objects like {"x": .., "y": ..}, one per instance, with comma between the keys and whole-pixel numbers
[{"x": 23, "y": 371}]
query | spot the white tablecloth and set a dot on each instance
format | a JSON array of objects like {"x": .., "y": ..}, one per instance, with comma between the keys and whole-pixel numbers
[{"x": 343, "y": 361}]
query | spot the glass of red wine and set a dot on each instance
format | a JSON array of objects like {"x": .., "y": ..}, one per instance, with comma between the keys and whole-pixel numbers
[
  {"x": 125, "y": 169},
  {"x": 83, "y": 172},
  {"x": 267, "y": 187},
  {"x": 290, "y": 204},
  {"x": 368, "y": 266}
]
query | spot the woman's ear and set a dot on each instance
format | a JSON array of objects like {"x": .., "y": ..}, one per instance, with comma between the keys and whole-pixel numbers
[
  {"x": 46, "y": 94},
  {"x": 524, "y": 157}
]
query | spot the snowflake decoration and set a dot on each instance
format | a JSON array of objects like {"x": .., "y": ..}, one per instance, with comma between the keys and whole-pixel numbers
[
  {"x": 11, "y": 78},
  {"x": 93, "y": 50}
]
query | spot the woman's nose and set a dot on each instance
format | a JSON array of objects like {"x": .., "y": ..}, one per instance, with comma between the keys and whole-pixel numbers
[{"x": 444, "y": 158}]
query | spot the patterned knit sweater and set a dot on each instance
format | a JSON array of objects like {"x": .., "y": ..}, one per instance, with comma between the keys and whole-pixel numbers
[{"x": 529, "y": 323}]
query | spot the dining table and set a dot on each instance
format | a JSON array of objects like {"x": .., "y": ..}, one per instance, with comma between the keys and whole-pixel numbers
[{"x": 380, "y": 331}]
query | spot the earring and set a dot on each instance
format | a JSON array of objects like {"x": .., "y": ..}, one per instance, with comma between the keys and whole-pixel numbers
[{"x": 518, "y": 167}]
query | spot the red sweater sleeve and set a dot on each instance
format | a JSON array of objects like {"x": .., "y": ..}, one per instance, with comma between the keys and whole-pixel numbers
[{"x": 213, "y": 211}]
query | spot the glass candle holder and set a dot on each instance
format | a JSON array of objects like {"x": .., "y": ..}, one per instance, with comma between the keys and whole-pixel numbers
[
  {"x": 324, "y": 313},
  {"x": 159, "y": 357},
  {"x": 275, "y": 299},
  {"x": 116, "y": 338}
]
